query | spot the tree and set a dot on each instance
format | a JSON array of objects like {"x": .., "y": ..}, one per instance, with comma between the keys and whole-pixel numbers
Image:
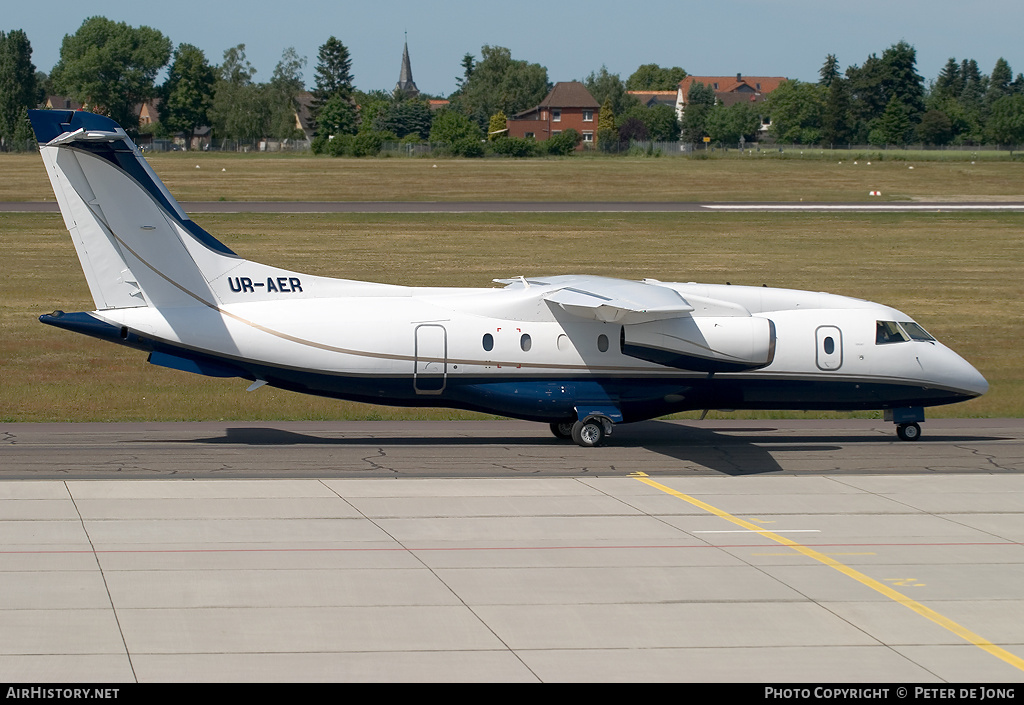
[
  {"x": 564, "y": 143},
  {"x": 468, "y": 64},
  {"x": 237, "y": 112},
  {"x": 894, "y": 127},
  {"x": 651, "y": 77},
  {"x": 403, "y": 118},
  {"x": 935, "y": 128},
  {"x": 1006, "y": 121},
  {"x": 999, "y": 83},
  {"x": 729, "y": 124},
  {"x": 607, "y": 135},
  {"x": 632, "y": 129},
  {"x": 902, "y": 81},
  {"x": 659, "y": 123},
  {"x": 111, "y": 67},
  {"x": 874, "y": 85},
  {"x": 282, "y": 93},
  {"x": 835, "y": 116},
  {"x": 950, "y": 82},
  {"x": 333, "y": 74},
  {"x": 188, "y": 92},
  {"x": 450, "y": 126},
  {"x": 700, "y": 100},
  {"x": 829, "y": 71},
  {"x": 332, "y": 80},
  {"x": 18, "y": 88},
  {"x": 604, "y": 86},
  {"x": 497, "y": 126},
  {"x": 498, "y": 82},
  {"x": 336, "y": 117},
  {"x": 797, "y": 109}
]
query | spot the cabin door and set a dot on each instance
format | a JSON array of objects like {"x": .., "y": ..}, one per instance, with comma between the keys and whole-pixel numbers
[
  {"x": 830, "y": 348},
  {"x": 431, "y": 371}
]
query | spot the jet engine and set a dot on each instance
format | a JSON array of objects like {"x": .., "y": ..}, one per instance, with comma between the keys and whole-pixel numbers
[{"x": 703, "y": 343}]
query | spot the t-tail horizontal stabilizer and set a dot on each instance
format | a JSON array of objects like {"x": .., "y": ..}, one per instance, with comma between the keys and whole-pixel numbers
[{"x": 137, "y": 247}]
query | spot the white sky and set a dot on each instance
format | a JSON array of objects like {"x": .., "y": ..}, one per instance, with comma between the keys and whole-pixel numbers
[{"x": 571, "y": 39}]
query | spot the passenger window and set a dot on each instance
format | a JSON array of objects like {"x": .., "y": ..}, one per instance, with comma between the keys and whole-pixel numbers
[
  {"x": 525, "y": 342},
  {"x": 488, "y": 342},
  {"x": 889, "y": 332},
  {"x": 829, "y": 345},
  {"x": 602, "y": 342}
]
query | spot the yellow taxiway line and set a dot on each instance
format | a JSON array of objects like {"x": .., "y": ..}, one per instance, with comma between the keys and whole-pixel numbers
[{"x": 895, "y": 595}]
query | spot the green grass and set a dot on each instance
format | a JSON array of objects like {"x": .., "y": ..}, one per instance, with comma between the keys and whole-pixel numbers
[
  {"x": 958, "y": 274},
  {"x": 238, "y": 177}
]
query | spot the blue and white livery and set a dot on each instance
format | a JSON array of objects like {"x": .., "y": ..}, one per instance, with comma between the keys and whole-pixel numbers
[{"x": 580, "y": 353}]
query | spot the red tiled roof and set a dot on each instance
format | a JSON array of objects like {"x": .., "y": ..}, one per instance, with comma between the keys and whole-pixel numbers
[{"x": 730, "y": 84}]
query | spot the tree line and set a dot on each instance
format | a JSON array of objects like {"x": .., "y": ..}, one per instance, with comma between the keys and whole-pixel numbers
[
  {"x": 884, "y": 101},
  {"x": 112, "y": 68}
]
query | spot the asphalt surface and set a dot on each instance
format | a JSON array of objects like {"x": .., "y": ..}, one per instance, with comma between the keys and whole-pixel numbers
[{"x": 502, "y": 449}]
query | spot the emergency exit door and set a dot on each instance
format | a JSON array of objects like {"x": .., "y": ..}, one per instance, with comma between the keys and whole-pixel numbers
[
  {"x": 431, "y": 371},
  {"x": 830, "y": 348}
]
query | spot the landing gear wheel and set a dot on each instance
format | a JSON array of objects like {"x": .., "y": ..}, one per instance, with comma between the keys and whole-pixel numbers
[
  {"x": 908, "y": 431},
  {"x": 588, "y": 434},
  {"x": 562, "y": 430}
]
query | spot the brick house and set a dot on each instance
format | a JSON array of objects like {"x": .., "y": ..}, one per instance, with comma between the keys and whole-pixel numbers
[{"x": 568, "y": 105}]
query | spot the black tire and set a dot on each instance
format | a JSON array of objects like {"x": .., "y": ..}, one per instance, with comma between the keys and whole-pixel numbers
[
  {"x": 588, "y": 434},
  {"x": 562, "y": 430},
  {"x": 908, "y": 431}
]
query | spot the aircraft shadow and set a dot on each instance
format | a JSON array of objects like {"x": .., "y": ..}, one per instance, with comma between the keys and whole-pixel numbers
[{"x": 733, "y": 451}]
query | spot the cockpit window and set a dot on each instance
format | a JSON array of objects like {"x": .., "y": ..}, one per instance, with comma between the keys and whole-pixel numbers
[
  {"x": 915, "y": 331},
  {"x": 889, "y": 332}
]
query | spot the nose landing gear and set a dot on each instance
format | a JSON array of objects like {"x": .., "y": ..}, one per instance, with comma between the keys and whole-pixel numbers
[{"x": 907, "y": 422}]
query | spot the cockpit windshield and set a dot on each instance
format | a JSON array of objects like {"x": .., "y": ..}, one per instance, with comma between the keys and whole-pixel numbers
[
  {"x": 892, "y": 332},
  {"x": 915, "y": 331}
]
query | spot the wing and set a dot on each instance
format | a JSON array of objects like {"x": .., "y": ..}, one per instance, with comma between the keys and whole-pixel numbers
[{"x": 660, "y": 325}]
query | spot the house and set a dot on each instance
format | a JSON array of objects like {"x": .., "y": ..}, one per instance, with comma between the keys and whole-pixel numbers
[
  {"x": 568, "y": 105},
  {"x": 304, "y": 114},
  {"x": 59, "y": 102},
  {"x": 730, "y": 90},
  {"x": 649, "y": 99},
  {"x": 149, "y": 113}
]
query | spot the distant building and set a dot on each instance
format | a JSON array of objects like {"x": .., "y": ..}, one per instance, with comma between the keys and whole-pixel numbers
[
  {"x": 649, "y": 99},
  {"x": 730, "y": 90},
  {"x": 405, "y": 83},
  {"x": 60, "y": 102},
  {"x": 304, "y": 114},
  {"x": 568, "y": 105}
]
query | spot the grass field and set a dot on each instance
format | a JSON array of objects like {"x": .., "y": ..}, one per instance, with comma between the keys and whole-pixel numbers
[
  {"x": 239, "y": 177},
  {"x": 957, "y": 274}
]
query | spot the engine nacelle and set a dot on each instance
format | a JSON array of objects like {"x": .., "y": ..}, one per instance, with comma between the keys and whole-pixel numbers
[{"x": 703, "y": 344}]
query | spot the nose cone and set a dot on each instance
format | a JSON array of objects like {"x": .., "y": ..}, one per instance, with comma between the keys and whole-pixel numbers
[{"x": 948, "y": 369}]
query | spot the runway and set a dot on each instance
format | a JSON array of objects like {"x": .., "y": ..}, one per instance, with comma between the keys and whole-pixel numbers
[
  {"x": 194, "y": 207},
  {"x": 715, "y": 551}
]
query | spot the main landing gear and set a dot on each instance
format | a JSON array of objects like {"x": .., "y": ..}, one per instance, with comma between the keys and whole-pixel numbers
[
  {"x": 587, "y": 434},
  {"x": 592, "y": 426},
  {"x": 908, "y": 422}
]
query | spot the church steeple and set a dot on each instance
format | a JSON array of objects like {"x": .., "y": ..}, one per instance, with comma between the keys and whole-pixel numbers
[{"x": 405, "y": 82}]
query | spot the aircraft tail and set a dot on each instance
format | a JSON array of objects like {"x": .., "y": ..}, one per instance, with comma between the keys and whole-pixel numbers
[{"x": 136, "y": 245}]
